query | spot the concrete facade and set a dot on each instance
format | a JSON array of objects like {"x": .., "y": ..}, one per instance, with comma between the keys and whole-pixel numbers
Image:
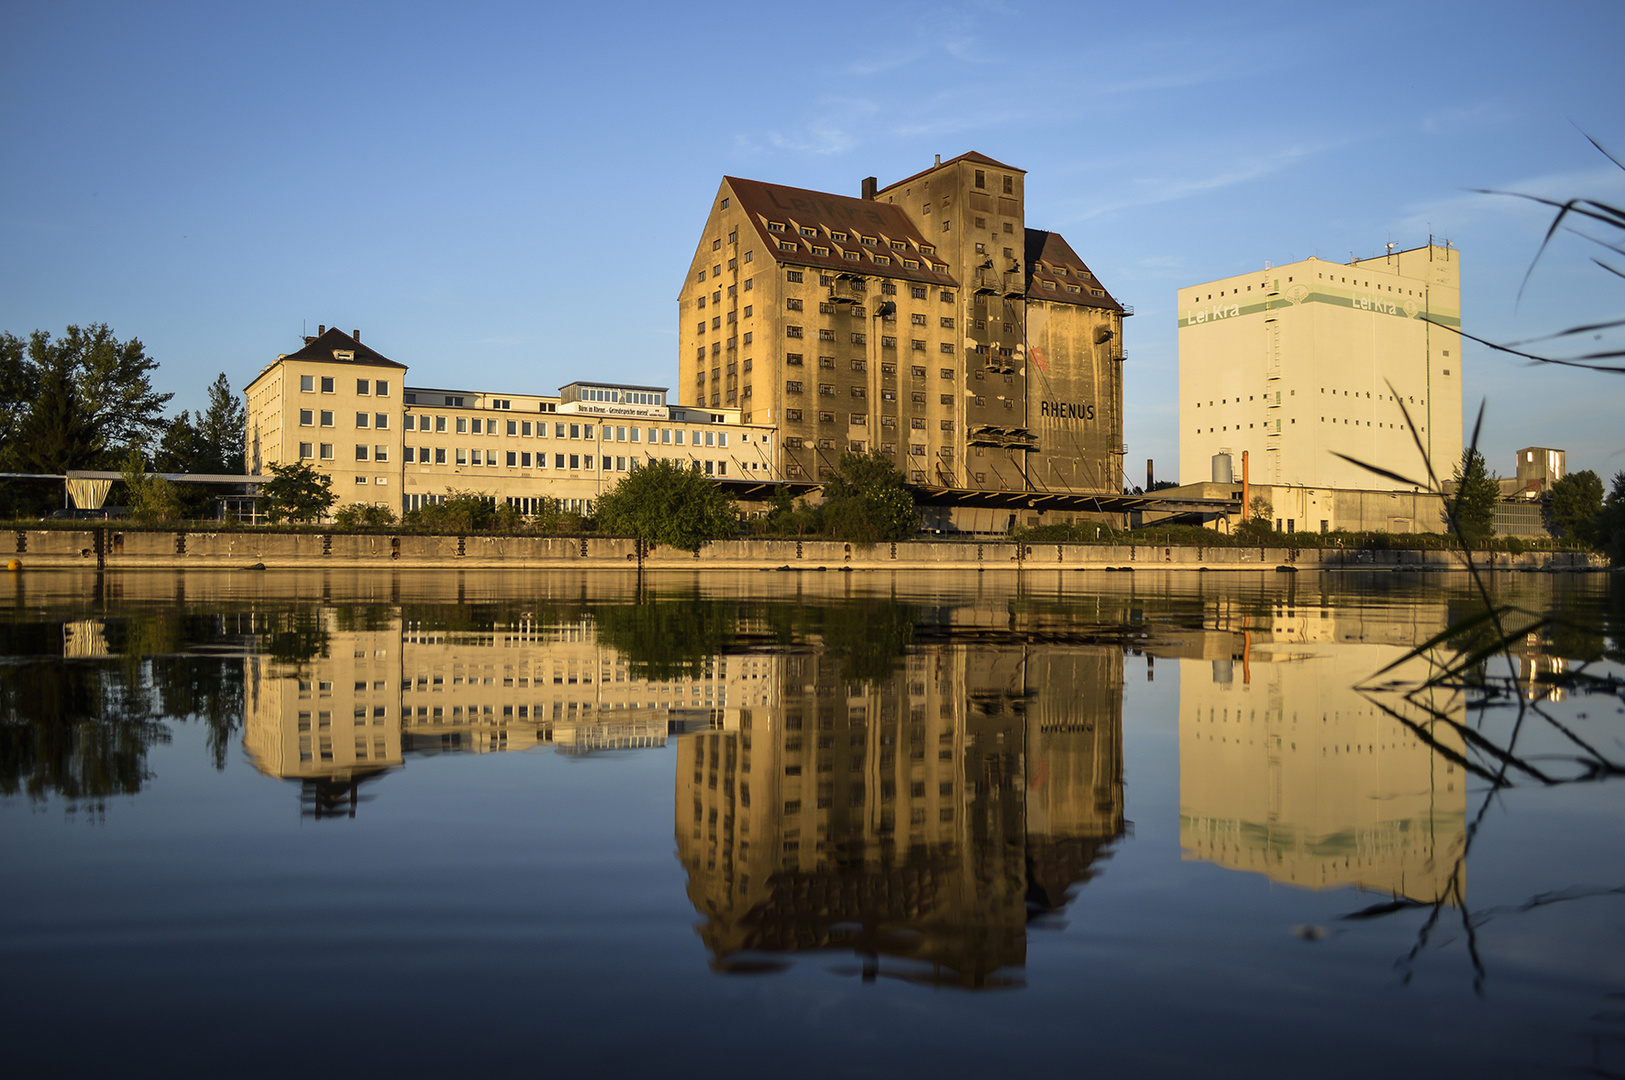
[
  {"x": 924, "y": 320},
  {"x": 1297, "y": 364},
  {"x": 345, "y": 410}
]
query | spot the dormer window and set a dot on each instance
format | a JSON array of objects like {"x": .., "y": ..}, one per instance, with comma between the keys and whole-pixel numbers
[
  {"x": 838, "y": 237},
  {"x": 805, "y": 231},
  {"x": 775, "y": 226},
  {"x": 344, "y": 354}
]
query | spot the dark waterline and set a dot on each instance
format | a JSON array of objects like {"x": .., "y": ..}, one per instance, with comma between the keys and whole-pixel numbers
[{"x": 842, "y": 824}]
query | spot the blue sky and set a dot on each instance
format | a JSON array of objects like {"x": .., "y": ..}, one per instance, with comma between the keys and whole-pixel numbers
[{"x": 507, "y": 196}]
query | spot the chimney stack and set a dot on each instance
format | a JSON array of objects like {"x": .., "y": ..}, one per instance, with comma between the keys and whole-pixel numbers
[
  {"x": 1150, "y": 474},
  {"x": 357, "y": 335},
  {"x": 870, "y": 186},
  {"x": 939, "y": 159},
  {"x": 321, "y": 328}
]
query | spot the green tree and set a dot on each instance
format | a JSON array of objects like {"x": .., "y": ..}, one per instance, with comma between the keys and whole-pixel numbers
[
  {"x": 1571, "y": 509},
  {"x": 1472, "y": 507},
  {"x": 866, "y": 502},
  {"x": 457, "y": 512},
  {"x": 150, "y": 498},
  {"x": 362, "y": 515},
  {"x": 297, "y": 492},
  {"x": 221, "y": 430},
  {"x": 665, "y": 502},
  {"x": 1611, "y": 522}
]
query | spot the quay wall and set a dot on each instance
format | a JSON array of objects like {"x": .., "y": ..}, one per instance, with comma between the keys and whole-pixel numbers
[{"x": 243, "y": 549}]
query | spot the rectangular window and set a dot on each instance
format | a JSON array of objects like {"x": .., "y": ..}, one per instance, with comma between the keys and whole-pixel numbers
[
  {"x": 410, "y": 422},
  {"x": 363, "y": 387},
  {"x": 513, "y": 458},
  {"x": 327, "y": 418},
  {"x": 360, "y": 453},
  {"x": 440, "y": 455},
  {"x": 558, "y": 461},
  {"x": 307, "y": 383},
  {"x": 407, "y": 455},
  {"x": 306, "y": 451},
  {"x": 307, "y": 418},
  {"x": 793, "y": 387},
  {"x": 380, "y": 421},
  {"x": 513, "y": 427},
  {"x": 462, "y": 456},
  {"x": 575, "y": 461},
  {"x": 381, "y": 388},
  {"x": 361, "y": 419},
  {"x": 462, "y": 425},
  {"x": 477, "y": 426},
  {"x": 380, "y": 453},
  {"x": 439, "y": 424},
  {"x": 327, "y": 451},
  {"x": 327, "y": 384}
]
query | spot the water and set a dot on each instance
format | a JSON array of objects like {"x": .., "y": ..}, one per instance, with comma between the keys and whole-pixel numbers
[{"x": 822, "y": 824}]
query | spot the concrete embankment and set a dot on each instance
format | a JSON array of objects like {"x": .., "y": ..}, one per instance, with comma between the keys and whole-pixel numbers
[{"x": 241, "y": 549}]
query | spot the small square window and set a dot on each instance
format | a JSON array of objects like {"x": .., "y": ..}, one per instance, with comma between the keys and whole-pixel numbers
[
  {"x": 307, "y": 383},
  {"x": 363, "y": 386}
]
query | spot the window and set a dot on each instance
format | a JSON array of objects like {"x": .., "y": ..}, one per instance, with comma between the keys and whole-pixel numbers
[
  {"x": 327, "y": 418},
  {"x": 858, "y": 419},
  {"x": 462, "y": 425},
  {"x": 1009, "y": 185},
  {"x": 793, "y": 359},
  {"x": 792, "y": 331},
  {"x": 380, "y": 453},
  {"x": 327, "y": 384},
  {"x": 380, "y": 388},
  {"x": 946, "y": 346},
  {"x": 858, "y": 392},
  {"x": 859, "y": 365},
  {"x": 380, "y": 421},
  {"x": 462, "y": 456},
  {"x": 793, "y": 415},
  {"x": 792, "y": 275},
  {"x": 917, "y": 398},
  {"x": 327, "y": 451},
  {"x": 513, "y": 458},
  {"x": 946, "y": 399},
  {"x": 826, "y": 389},
  {"x": 360, "y": 452},
  {"x": 947, "y": 425},
  {"x": 411, "y": 421},
  {"x": 363, "y": 387},
  {"x": 306, "y": 418},
  {"x": 947, "y": 373},
  {"x": 946, "y": 296},
  {"x": 860, "y": 339},
  {"x": 888, "y": 342},
  {"x": 917, "y": 291},
  {"x": 439, "y": 455},
  {"x": 917, "y": 345},
  {"x": 981, "y": 178},
  {"x": 307, "y": 383},
  {"x": 792, "y": 387},
  {"x": 306, "y": 451},
  {"x": 947, "y": 322},
  {"x": 827, "y": 363},
  {"x": 917, "y": 319}
]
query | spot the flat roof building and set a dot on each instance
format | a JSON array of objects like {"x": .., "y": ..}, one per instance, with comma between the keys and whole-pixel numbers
[
  {"x": 345, "y": 409},
  {"x": 1300, "y": 364}
]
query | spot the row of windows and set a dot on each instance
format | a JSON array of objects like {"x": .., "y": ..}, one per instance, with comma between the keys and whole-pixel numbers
[
  {"x": 307, "y": 418},
  {"x": 364, "y": 387}
]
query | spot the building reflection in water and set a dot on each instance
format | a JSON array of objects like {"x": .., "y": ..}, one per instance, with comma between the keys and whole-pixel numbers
[
  {"x": 919, "y": 822},
  {"x": 382, "y": 688},
  {"x": 1287, "y": 770}
]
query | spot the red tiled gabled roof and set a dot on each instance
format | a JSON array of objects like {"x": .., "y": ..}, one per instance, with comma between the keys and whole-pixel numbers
[
  {"x": 797, "y": 208},
  {"x": 1047, "y": 253},
  {"x": 972, "y": 155},
  {"x": 335, "y": 341}
]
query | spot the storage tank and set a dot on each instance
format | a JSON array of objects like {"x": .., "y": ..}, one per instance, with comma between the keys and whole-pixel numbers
[{"x": 1222, "y": 472}]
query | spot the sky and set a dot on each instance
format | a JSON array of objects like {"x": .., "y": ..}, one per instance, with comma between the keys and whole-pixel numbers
[{"x": 507, "y": 196}]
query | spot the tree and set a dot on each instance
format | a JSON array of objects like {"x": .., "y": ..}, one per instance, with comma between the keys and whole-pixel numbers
[
  {"x": 150, "y": 498},
  {"x": 361, "y": 515},
  {"x": 1611, "y": 522},
  {"x": 665, "y": 502},
  {"x": 81, "y": 401},
  {"x": 1472, "y": 508},
  {"x": 297, "y": 493},
  {"x": 222, "y": 430},
  {"x": 866, "y": 502},
  {"x": 1571, "y": 509}
]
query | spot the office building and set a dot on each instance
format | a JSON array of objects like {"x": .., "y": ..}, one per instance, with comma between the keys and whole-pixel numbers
[
  {"x": 924, "y": 320},
  {"x": 403, "y": 446}
]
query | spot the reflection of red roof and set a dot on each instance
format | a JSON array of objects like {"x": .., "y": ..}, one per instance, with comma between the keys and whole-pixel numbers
[
  {"x": 862, "y": 220},
  {"x": 1048, "y": 255},
  {"x": 980, "y": 159}
]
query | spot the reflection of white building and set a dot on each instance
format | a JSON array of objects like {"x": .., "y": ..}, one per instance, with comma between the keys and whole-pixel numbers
[
  {"x": 1286, "y": 770},
  {"x": 376, "y": 694}
]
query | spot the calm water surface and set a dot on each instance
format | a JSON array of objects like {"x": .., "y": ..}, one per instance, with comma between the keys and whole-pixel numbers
[{"x": 809, "y": 824}]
